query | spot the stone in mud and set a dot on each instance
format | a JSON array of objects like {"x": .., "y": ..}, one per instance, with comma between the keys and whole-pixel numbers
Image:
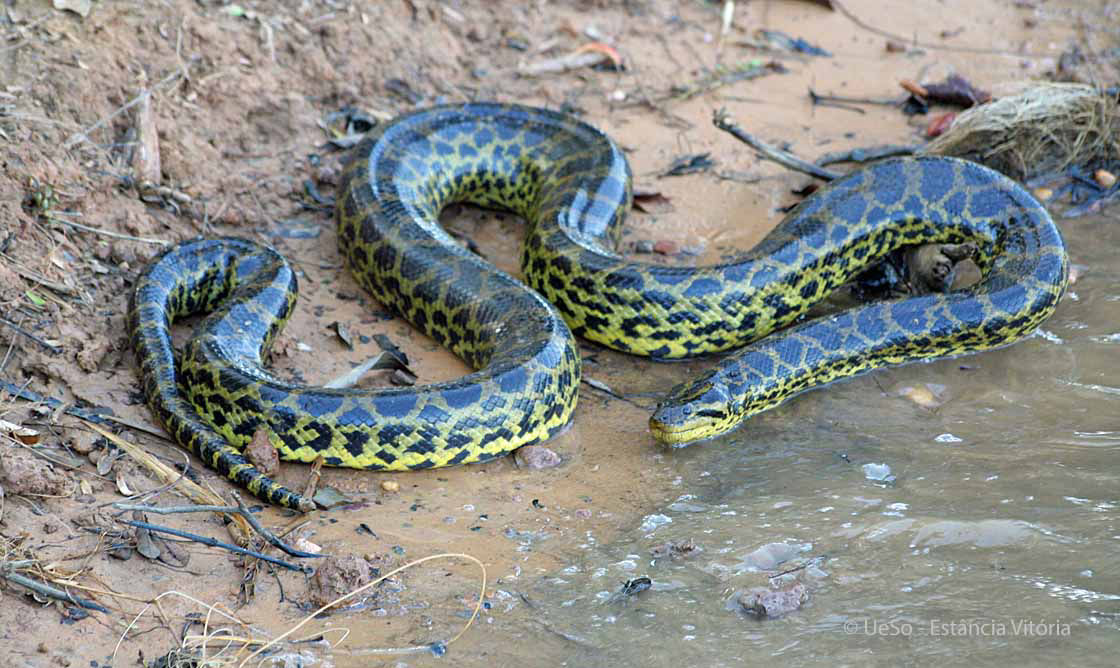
[
  {"x": 536, "y": 457},
  {"x": 762, "y": 602},
  {"x": 23, "y": 473},
  {"x": 337, "y": 577}
]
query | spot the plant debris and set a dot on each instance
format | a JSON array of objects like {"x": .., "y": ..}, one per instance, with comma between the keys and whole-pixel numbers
[{"x": 689, "y": 164}]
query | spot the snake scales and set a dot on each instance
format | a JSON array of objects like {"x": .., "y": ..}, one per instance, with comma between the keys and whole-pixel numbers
[{"x": 572, "y": 185}]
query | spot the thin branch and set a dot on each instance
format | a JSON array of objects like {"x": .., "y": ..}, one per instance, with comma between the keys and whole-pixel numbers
[
  {"x": 84, "y": 135},
  {"x": 49, "y": 591},
  {"x": 107, "y": 233},
  {"x": 51, "y": 348},
  {"x": 784, "y": 158},
  {"x": 231, "y": 510},
  {"x": 213, "y": 542}
]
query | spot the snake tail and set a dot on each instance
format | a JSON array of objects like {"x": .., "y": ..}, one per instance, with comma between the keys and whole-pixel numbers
[
  {"x": 875, "y": 210},
  {"x": 188, "y": 279}
]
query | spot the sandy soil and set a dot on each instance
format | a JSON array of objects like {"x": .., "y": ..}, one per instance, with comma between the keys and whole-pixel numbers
[{"x": 236, "y": 96}]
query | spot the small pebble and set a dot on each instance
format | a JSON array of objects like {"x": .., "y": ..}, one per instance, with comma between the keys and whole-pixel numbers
[
  {"x": 1043, "y": 194},
  {"x": 390, "y": 486},
  {"x": 305, "y": 545},
  {"x": 665, "y": 247},
  {"x": 1105, "y": 178},
  {"x": 877, "y": 472},
  {"x": 643, "y": 246}
]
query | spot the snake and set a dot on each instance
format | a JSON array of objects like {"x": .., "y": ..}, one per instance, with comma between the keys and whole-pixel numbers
[{"x": 572, "y": 185}]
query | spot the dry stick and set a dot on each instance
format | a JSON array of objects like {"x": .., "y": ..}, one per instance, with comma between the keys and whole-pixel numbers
[
  {"x": 89, "y": 416},
  {"x": 84, "y": 135},
  {"x": 239, "y": 510},
  {"x": 108, "y": 233},
  {"x": 53, "y": 349},
  {"x": 49, "y": 591},
  {"x": 184, "y": 486},
  {"x": 784, "y": 158},
  {"x": 865, "y": 154},
  {"x": 41, "y": 280},
  {"x": 817, "y": 98},
  {"x": 213, "y": 542}
]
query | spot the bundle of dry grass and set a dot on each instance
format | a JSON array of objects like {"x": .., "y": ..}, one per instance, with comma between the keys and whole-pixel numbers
[{"x": 1040, "y": 130}]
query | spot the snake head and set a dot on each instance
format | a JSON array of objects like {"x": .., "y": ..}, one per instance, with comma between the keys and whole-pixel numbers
[{"x": 694, "y": 412}]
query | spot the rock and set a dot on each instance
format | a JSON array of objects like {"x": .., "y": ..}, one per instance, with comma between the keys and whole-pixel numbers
[
  {"x": 23, "y": 473},
  {"x": 771, "y": 555},
  {"x": 83, "y": 442},
  {"x": 536, "y": 457},
  {"x": 338, "y": 576},
  {"x": 773, "y": 603}
]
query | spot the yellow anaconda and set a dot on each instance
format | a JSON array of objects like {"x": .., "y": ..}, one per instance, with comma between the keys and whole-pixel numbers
[{"x": 572, "y": 185}]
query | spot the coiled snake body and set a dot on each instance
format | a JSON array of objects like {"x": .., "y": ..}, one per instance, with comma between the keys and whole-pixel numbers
[{"x": 572, "y": 185}]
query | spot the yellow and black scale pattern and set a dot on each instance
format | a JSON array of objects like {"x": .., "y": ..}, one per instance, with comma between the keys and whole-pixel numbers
[{"x": 572, "y": 185}]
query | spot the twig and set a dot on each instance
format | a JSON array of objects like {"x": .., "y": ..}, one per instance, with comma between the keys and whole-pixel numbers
[
  {"x": 87, "y": 415},
  {"x": 108, "y": 233},
  {"x": 49, "y": 591},
  {"x": 231, "y": 510},
  {"x": 811, "y": 562},
  {"x": 184, "y": 486},
  {"x": 606, "y": 389},
  {"x": 817, "y": 98},
  {"x": 84, "y": 135},
  {"x": 52, "y": 348},
  {"x": 784, "y": 158},
  {"x": 214, "y": 542},
  {"x": 865, "y": 154},
  {"x": 41, "y": 280}
]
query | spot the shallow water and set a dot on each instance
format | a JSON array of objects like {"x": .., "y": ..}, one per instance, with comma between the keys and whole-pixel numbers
[{"x": 996, "y": 538}]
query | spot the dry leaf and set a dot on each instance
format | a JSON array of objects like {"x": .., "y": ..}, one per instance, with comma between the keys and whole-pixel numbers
[{"x": 25, "y": 435}]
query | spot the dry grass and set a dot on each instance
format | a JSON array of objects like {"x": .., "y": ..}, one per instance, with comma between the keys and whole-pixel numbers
[{"x": 1042, "y": 129}]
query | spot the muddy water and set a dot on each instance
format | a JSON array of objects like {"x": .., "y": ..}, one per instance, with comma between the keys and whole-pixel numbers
[{"x": 994, "y": 538}]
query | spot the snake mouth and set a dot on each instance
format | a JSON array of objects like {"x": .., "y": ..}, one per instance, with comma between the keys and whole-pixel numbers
[{"x": 678, "y": 435}]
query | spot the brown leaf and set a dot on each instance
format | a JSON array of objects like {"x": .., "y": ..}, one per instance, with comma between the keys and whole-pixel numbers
[
  {"x": 913, "y": 87},
  {"x": 25, "y": 435},
  {"x": 956, "y": 90},
  {"x": 651, "y": 201}
]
